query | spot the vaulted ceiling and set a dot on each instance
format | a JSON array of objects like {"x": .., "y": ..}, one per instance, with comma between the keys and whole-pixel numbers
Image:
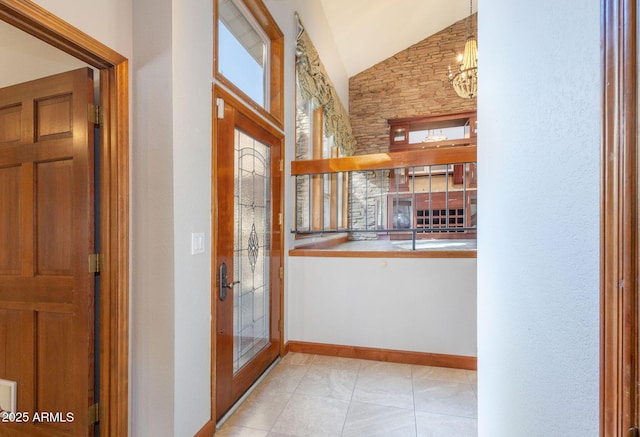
[
  {"x": 369, "y": 31},
  {"x": 365, "y": 31}
]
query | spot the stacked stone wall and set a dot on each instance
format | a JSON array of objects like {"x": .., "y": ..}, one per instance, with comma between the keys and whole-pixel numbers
[{"x": 411, "y": 83}]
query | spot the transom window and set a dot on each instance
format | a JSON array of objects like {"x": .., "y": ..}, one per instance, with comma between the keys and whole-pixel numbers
[
  {"x": 243, "y": 52},
  {"x": 248, "y": 57}
]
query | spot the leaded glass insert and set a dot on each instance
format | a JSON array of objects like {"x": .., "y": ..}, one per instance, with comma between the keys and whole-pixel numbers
[{"x": 252, "y": 243}]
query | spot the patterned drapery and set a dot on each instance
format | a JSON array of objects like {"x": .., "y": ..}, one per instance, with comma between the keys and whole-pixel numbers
[{"x": 316, "y": 86}]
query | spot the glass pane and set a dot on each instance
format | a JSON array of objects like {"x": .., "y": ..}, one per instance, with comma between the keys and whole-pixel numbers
[
  {"x": 252, "y": 206},
  {"x": 242, "y": 52},
  {"x": 304, "y": 119}
]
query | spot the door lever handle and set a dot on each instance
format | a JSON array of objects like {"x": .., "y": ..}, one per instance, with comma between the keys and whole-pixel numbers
[{"x": 222, "y": 292}]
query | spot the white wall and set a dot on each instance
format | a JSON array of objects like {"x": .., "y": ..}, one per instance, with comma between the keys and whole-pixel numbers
[
  {"x": 411, "y": 304},
  {"x": 192, "y": 78},
  {"x": 538, "y": 242},
  {"x": 110, "y": 22},
  {"x": 153, "y": 337},
  {"x": 24, "y": 57},
  {"x": 171, "y": 378}
]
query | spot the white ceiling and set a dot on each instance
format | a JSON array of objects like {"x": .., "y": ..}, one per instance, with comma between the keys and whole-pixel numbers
[{"x": 369, "y": 31}]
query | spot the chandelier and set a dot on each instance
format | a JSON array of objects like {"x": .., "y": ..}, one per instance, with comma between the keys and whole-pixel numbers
[{"x": 465, "y": 80}]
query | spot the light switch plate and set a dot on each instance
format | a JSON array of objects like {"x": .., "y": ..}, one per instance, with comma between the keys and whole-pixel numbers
[
  {"x": 8, "y": 395},
  {"x": 197, "y": 243}
]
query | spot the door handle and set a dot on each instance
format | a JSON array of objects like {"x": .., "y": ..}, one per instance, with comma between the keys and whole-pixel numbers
[{"x": 224, "y": 285}]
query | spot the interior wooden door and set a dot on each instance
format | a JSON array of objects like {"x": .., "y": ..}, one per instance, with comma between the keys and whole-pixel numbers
[
  {"x": 46, "y": 235},
  {"x": 248, "y": 251}
]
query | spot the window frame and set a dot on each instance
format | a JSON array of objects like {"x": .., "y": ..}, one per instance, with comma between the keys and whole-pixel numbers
[{"x": 273, "y": 110}]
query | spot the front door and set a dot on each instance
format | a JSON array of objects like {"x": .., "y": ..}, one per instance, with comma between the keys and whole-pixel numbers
[
  {"x": 46, "y": 235},
  {"x": 247, "y": 217}
]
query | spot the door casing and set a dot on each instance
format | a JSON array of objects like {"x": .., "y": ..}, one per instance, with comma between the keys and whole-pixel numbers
[
  {"x": 114, "y": 202},
  {"x": 619, "y": 396}
]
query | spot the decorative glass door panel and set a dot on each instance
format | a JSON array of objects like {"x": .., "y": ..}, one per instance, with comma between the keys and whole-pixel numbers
[
  {"x": 251, "y": 248},
  {"x": 247, "y": 206}
]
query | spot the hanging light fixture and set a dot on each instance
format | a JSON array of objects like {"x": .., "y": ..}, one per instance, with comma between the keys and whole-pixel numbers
[{"x": 465, "y": 80}]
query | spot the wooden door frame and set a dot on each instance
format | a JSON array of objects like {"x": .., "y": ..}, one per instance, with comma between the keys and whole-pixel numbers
[
  {"x": 220, "y": 92},
  {"x": 114, "y": 201},
  {"x": 619, "y": 220}
]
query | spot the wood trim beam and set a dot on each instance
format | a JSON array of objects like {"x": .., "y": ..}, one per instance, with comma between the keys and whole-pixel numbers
[
  {"x": 389, "y": 355},
  {"x": 432, "y": 118},
  {"x": 619, "y": 212},
  {"x": 39, "y": 22},
  {"x": 381, "y": 161},
  {"x": 317, "y": 203}
]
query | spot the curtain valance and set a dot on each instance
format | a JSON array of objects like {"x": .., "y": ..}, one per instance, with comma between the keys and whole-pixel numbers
[{"x": 315, "y": 85}]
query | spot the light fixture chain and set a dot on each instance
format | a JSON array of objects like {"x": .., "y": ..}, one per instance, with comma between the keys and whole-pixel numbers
[{"x": 469, "y": 20}]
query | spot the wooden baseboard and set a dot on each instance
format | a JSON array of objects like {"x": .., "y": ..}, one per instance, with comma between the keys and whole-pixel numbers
[
  {"x": 394, "y": 356},
  {"x": 207, "y": 430},
  {"x": 285, "y": 349}
]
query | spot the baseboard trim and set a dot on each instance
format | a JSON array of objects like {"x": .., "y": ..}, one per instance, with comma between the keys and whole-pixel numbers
[
  {"x": 390, "y": 355},
  {"x": 207, "y": 430},
  {"x": 285, "y": 349}
]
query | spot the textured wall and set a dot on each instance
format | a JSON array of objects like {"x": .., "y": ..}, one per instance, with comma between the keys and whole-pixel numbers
[
  {"x": 409, "y": 304},
  {"x": 538, "y": 272},
  {"x": 411, "y": 83}
]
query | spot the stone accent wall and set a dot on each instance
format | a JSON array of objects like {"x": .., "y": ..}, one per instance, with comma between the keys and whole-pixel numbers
[
  {"x": 411, "y": 83},
  {"x": 367, "y": 205}
]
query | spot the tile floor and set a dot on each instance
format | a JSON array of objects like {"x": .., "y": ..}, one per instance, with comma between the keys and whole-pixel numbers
[{"x": 314, "y": 395}]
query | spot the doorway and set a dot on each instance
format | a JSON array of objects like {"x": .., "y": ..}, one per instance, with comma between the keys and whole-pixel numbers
[
  {"x": 114, "y": 203},
  {"x": 248, "y": 251}
]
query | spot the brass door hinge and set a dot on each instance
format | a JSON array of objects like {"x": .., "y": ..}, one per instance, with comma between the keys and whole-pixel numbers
[
  {"x": 94, "y": 413},
  {"x": 95, "y": 114},
  {"x": 281, "y": 272},
  {"x": 280, "y": 325},
  {"x": 96, "y": 263},
  {"x": 281, "y": 165}
]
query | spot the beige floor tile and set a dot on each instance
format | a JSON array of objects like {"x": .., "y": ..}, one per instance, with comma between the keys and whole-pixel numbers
[
  {"x": 384, "y": 368},
  {"x": 443, "y": 397},
  {"x": 473, "y": 376},
  {"x": 438, "y": 425},
  {"x": 385, "y": 384},
  {"x": 441, "y": 374},
  {"x": 337, "y": 362},
  {"x": 298, "y": 359},
  {"x": 260, "y": 410},
  {"x": 312, "y": 416},
  {"x": 284, "y": 378},
  {"x": 239, "y": 431},
  {"x": 328, "y": 382},
  {"x": 378, "y": 421},
  {"x": 312, "y": 395}
]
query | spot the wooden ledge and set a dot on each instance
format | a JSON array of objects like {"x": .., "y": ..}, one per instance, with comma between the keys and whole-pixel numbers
[{"x": 384, "y": 253}]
